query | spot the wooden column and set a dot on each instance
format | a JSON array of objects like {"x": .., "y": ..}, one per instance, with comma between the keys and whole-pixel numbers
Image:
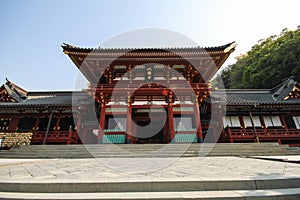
[
  {"x": 220, "y": 126},
  {"x": 13, "y": 124},
  {"x": 284, "y": 125},
  {"x": 216, "y": 126},
  {"x": 82, "y": 134},
  {"x": 101, "y": 125},
  {"x": 70, "y": 135},
  {"x": 128, "y": 120},
  {"x": 57, "y": 127},
  {"x": 170, "y": 116},
  {"x": 171, "y": 122},
  {"x": 198, "y": 120},
  {"x": 254, "y": 128},
  {"x": 102, "y": 119},
  {"x": 128, "y": 125},
  {"x": 242, "y": 122},
  {"x": 36, "y": 127},
  {"x": 130, "y": 74},
  {"x": 230, "y": 136},
  {"x": 283, "y": 122},
  {"x": 48, "y": 126},
  {"x": 110, "y": 74}
]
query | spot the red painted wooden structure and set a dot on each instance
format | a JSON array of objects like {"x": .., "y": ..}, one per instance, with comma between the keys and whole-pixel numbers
[{"x": 168, "y": 88}]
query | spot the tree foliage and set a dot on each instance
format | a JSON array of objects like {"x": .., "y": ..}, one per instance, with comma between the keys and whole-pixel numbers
[{"x": 268, "y": 63}]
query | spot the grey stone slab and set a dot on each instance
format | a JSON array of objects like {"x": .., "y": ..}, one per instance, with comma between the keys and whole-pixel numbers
[
  {"x": 286, "y": 194},
  {"x": 177, "y": 186},
  {"x": 229, "y": 185},
  {"x": 23, "y": 187},
  {"x": 278, "y": 183},
  {"x": 19, "y": 172}
]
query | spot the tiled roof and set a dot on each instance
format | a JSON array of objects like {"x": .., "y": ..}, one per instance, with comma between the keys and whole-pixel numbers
[
  {"x": 15, "y": 92},
  {"x": 100, "y": 49},
  {"x": 52, "y": 99},
  {"x": 275, "y": 96},
  {"x": 229, "y": 97}
]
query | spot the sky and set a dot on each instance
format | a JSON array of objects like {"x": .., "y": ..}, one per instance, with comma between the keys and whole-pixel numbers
[{"x": 32, "y": 31}]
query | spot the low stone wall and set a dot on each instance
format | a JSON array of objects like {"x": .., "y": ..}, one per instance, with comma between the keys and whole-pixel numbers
[{"x": 15, "y": 139}]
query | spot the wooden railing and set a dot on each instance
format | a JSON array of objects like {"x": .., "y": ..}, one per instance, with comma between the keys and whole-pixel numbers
[
  {"x": 66, "y": 137},
  {"x": 262, "y": 133}
]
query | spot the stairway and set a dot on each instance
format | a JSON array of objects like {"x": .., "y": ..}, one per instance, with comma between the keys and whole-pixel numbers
[
  {"x": 145, "y": 189},
  {"x": 215, "y": 187},
  {"x": 150, "y": 150}
]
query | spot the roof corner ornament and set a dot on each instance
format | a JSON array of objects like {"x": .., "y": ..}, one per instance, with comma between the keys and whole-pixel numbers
[
  {"x": 7, "y": 81},
  {"x": 230, "y": 47}
]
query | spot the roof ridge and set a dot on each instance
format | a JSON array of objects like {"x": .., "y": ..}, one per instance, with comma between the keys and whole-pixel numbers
[
  {"x": 245, "y": 90},
  {"x": 230, "y": 45},
  {"x": 53, "y": 93},
  {"x": 15, "y": 86},
  {"x": 284, "y": 90}
]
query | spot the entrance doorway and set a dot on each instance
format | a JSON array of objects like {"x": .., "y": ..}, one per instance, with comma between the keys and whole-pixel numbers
[
  {"x": 151, "y": 125},
  {"x": 148, "y": 134}
]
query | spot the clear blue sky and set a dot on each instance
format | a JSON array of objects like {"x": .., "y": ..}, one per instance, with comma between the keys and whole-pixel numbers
[{"x": 32, "y": 31}]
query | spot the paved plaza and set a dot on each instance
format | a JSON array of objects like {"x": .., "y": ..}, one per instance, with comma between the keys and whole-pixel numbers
[
  {"x": 151, "y": 178},
  {"x": 114, "y": 169}
]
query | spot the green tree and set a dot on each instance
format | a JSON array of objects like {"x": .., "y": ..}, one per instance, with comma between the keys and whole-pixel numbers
[{"x": 268, "y": 63}]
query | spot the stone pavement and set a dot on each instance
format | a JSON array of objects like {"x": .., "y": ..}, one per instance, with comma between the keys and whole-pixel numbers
[{"x": 115, "y": 169}]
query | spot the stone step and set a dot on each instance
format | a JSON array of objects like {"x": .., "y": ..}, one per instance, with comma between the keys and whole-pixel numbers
[
  {"x": 85, "y": 186},
  {"x": 163, "y": 148},
  {"x": 93, "y": 152},
  {"x": 159, "y": 145},
  {"x": 111, "y": 147},
  {"x": 144, "y": 152},
  {"x": 158, "y": 151},
  {"x": 149, "y": 150},
  {"x": 271, "y": 194},
  {"x": 197, "y": 145}
]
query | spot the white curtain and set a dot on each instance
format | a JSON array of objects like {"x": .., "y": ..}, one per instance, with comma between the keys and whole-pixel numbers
[
  {"x": 297, "y": 121},
  {"x": 256, "y": 121},
  {"x": 231, "y": 121},
  {"x": 276, "y": 121},
  {"x": 247, "y": 121},
  {"x": 268, "y": 121},
  {"x": 235, "y": 121},
  {"x": 226, "y": 121}
]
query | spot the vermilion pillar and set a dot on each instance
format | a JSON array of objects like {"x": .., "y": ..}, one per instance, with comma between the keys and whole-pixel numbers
[
  {"x": 101, "y": 124},
  {"x": 128, "y": 123},
  {"x": 171, "y": 122},
  {"x": 102, "y": 119},
  {"x": 198, "y": 122},
  {"x": 170, "y": 101}
]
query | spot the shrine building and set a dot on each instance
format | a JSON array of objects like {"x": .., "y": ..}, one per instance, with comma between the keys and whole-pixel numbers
[{"x": 151, "y": 95}]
